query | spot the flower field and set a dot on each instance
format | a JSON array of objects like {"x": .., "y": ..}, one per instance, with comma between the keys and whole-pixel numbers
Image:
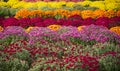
[{"x": 62, "y": 35}]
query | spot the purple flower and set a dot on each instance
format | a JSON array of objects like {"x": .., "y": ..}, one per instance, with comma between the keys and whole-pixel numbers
[
  {"x": 67, "y": 32},
  {"x": 99, "y": 34},
  {"x": 38, "y": 34},
  {"x": 14, "y": 30}
]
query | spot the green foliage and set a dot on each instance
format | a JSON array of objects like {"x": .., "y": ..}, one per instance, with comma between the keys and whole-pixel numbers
[
  {"x": 109, "y": 63},
  {"x": 13, "y": 65}
]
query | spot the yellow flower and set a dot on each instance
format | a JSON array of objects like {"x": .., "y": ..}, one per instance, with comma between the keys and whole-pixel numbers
[
  {"x": 54, "y": 27},
  {"x": 29, "y": 5},
  {"x": 98, "y": 4},
  {"x": 80, "y": 28},
  {"x": 87, "y": 14},
  {"x": 11, "y": 3},
  {"x": 3, "y": 4},
  {"x": 1, "y": 29},
  {"x": 112, "y": 6},
  {"x": 23, "y": 13},
  {"x": 19, "y": 5},
  {"x": 115, "y": 29},
  {"x": 28, "y": 29},
  {"x": 84, "y": 3},
  {"x": 41, "y": 3},
  {"x": 70, "y": 4},
  {"x": 56, "y": 4}
]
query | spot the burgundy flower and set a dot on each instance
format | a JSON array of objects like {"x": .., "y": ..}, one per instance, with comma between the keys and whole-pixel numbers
[
  {"x": 10, "y": 22},
  {"x": 88, "y": 21},
  {"x": 1, "y": 19},
  {"x": 36, "y": 20},
  {"x": 49, "y": 21},
  {"x": 40, "y": 24},
  {"x": 61, "y": 21},
  {"x": 25, "y": 22},
  {"x": 75, "y": 17},
  {"x": 115, "y": 21},
  {"x": 103, "y": 21}
]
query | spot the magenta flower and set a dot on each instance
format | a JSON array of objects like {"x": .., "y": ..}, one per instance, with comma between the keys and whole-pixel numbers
[
  {"x": 25, "y": 22},
  {"x": 49, "y": 21},
  {"x": 10, "y": 22},
  {"x": 115, "y": 21},
  {"x": 88, "y": 21},
  {"x": 102, "y": 21}
]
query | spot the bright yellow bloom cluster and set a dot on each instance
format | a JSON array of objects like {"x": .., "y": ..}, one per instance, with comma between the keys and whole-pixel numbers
[
  {"x": 112, "y": 6},
  {"x": 54, "y": 27},
  {"x": 115, "y": 29},
  {"x": 98, "y": 4},
  {"x": 80, "y": 28},
  {"x": 66, "y": 13},
  {"x": 84, "y": 3},
  {"x": 2, "y": 3},
  {"x": 56, "y": 4},
  {"x": 103, "y": 5},
  {"x": 1, "y": 29}
]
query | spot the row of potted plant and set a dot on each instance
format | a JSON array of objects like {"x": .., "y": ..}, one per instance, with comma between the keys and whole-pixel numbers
[
  {"x": 103, "y": 5},
  {"x": 94, "y": 48},
  {"x": 66, "y": 13},
  {"x": 74, "y": 20}
]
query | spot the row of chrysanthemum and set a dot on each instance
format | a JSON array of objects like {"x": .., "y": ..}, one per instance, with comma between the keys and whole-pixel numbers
[
  {"x": 55, "y": 27},
  {"x": 66, "y": 13},
  {"x": 74, "y": 20},
  {"x": 104, "y": 5}
]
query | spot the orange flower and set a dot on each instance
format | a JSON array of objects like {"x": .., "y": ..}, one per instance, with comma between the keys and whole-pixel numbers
[
  {"x": 110, "y": 13},
  {"x": 23, "y": 13},
  {"x": 36, "y": 13},
  {"x": 63, "y": 13},
  {"x": 115, "y": 29},
  {"x": 49, "y": 13},
  {"x": 1, "y": 29},
  {"x": 98, "y": 13},
  {"x": 28, "y": 29},
  {"x": 80, "y": 28},
  {"x": 54, "y": 27},
  {"x": 118, "y": 13},
  {"x": 87, "y": 14},
  {"x": 75, "y": 12}
]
